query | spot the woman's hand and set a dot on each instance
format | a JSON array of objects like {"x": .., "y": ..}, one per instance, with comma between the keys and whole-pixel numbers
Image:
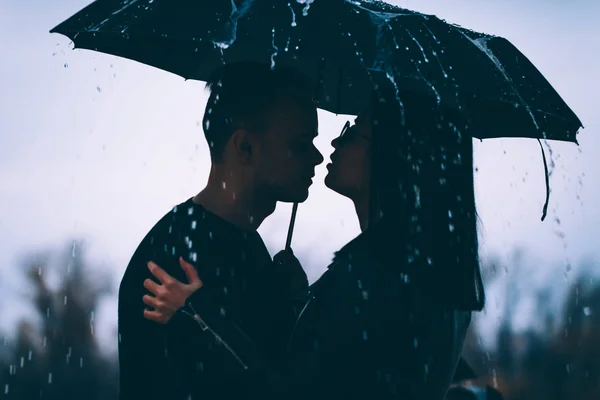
[{"x": 172, "y": 294}]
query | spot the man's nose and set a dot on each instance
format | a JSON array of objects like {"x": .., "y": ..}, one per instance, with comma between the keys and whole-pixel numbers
[{"x": 318, "y": 157}]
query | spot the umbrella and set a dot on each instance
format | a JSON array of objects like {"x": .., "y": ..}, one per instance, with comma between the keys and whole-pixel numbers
[{"x": 342, "y": 44}]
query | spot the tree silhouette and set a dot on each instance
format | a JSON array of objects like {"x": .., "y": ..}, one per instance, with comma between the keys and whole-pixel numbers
[
  {"x": 560, "y": 361},
  {"x": 61, "y": 359}
]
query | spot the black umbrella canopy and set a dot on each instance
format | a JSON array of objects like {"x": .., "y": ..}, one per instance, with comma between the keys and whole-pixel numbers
[{"x": 344, "y": 45}]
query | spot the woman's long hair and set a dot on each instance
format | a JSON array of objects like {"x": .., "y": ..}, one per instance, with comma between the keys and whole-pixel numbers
[{"x": 422, "y": 179}]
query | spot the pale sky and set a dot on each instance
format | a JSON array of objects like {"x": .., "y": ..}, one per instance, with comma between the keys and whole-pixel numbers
[{"x": 97, "y": 147}]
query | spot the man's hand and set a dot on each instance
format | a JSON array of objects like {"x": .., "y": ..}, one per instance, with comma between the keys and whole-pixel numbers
[
  {"x": 290, "y": 268},
  {"x": 172, "y": 294}
]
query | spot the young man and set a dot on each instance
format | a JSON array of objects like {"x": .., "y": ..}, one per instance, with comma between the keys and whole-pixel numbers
[{"x": 260, "y": 125}]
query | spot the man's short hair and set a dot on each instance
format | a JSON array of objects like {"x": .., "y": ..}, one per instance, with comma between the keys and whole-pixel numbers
[{"x": 241, "y": 96}]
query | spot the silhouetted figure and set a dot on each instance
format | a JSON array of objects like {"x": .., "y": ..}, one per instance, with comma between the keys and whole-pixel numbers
[{"x": 260, "y": 125}]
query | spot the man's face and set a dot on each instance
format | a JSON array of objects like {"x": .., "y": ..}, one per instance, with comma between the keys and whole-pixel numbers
[{"x": 287, "y": 159}]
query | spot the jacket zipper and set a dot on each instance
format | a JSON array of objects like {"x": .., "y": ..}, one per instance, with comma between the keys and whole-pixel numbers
[
  {"x": 297, "y": 321},
  {"x": 204, "y": 326}
]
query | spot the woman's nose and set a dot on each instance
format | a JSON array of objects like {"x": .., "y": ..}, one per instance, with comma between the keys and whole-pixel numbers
[{"x": 335, "y": 142}]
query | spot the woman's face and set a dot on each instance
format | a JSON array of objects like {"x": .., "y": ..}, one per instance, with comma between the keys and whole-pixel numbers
[{"x": 350, "y": 168}]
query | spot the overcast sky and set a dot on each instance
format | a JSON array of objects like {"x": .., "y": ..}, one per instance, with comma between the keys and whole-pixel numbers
[{"x": 97, "y": 147}]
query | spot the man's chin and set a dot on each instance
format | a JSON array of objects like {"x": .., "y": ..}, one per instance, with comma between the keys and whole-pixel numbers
[{"x": 297, "y": 197}]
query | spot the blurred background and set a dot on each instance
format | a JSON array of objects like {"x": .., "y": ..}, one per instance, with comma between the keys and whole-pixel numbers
[{"x": 95, "y": 149}]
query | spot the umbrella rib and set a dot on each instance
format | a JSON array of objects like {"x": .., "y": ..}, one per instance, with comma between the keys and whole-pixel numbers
[{"x": 479, "y": 43}]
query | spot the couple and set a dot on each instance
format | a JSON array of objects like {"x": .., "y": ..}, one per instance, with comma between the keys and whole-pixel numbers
[{"x": 388, "y": 317}]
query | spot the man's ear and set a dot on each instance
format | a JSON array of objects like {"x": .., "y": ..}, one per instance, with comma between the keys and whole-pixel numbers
[{"x": 242, "y": 143}]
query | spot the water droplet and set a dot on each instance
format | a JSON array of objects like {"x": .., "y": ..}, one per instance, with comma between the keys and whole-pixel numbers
[
  {"x": 66, "y": 65},
  {"x": 587, "y": 311}
]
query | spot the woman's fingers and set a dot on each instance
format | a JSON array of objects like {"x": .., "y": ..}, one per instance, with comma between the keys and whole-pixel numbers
[
  {"x": 151, "y": 301},
  {"x": 190, "y": 272},
  {"x": 159, "y": 273},
  {"x": 156, "y": 316},
  {"x": 152, "y": 286}
]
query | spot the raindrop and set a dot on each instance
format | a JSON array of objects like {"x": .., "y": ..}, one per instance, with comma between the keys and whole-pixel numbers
[
  {"x": 210, "y": 235},
  {"x": 50, "y": 377},
  {"x": 193, "y": 224},
  {"x": 293, "y": 15},
  {"x": 65, "y": 301},
  {"x": 66, "y": 65},
  {"x": 80, "y": 362},
  {"x": 99, "y": 89},
  {"x": 22, "y": 362},
  {"x": 6, "y": 388},
  {"x": 364, "y": 335},
  {"x": 587, "y": 311}
]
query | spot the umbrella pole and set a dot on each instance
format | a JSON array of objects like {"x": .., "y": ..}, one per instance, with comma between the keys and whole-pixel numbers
[{"x": 288, "y": 241}]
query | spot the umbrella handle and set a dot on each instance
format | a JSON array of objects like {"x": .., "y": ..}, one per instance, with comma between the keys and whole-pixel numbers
[{"x": 288, "y": 241}]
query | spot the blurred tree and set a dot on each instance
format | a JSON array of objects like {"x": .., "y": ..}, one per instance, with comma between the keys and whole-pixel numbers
[
  {"x": 560, "y": 361},
  {"x": 61, "y": 359}
]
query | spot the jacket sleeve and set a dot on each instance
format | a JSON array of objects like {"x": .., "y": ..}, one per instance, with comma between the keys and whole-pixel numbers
[
  {"x": 260, "y": 370},
  {"x": 267, "y": 376},
  {"x": 151, "y": 364}
]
